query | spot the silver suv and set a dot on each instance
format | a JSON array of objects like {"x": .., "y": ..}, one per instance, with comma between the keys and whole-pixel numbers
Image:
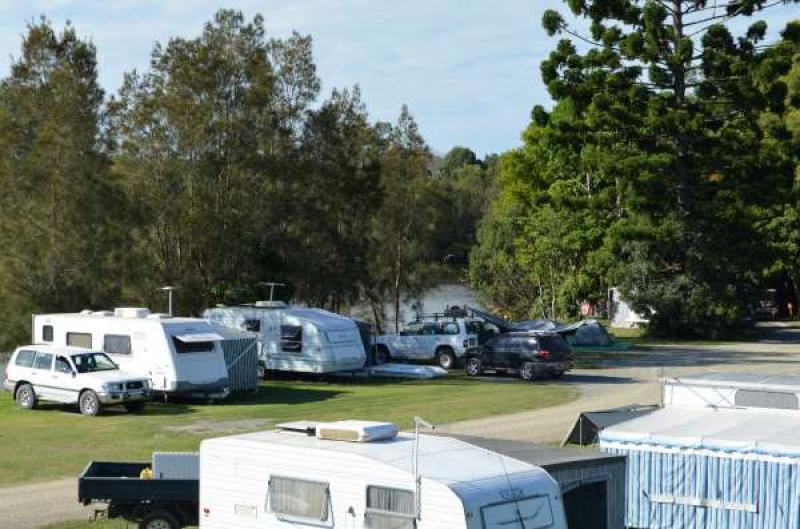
[
  {"x": 446, "y": 341},
  {"x": 70, "y": 375}
]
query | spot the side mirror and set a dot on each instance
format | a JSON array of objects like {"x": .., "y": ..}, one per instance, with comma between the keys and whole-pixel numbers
[{"x": 74, "y": 374}]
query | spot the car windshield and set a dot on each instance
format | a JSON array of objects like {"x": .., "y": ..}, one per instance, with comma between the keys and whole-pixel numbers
[{"x": 91, "y": 362}]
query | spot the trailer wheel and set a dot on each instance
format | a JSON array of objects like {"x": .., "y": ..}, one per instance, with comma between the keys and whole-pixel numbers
[
  {"x": 88, "y": 403},
  {"x": 160, "y": 520},
  {"x": 261, "y": 371},
  {"x": 26, "y": 397}
]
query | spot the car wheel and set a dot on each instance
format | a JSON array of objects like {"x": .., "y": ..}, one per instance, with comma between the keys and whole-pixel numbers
[
  {"x": 558, "y": 374},
  {"x": 474, "y": 367},
  {"x": 160, "y": 520},
  {"x": 88, "y": 403},
  {"x": 527, "y": 371},
  {"x": 261, "y": 371},
  {"x": 382, "y": 355},
  {"x": 135, "y": 407},
  {"x": 445, "y": 359},
  {"x": 26, "y": 397}
]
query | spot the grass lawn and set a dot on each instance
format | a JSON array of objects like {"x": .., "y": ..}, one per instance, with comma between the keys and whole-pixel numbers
[{"x": 54, "y": 441}]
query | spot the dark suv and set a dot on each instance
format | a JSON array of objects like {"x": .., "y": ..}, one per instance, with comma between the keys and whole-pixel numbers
[{"x": 529, "y": 354}]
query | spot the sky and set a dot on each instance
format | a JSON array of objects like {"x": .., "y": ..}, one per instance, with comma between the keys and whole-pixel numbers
[{"x": 467, "y": 69}]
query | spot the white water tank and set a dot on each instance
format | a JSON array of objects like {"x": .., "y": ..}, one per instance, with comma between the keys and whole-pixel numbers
[{"x": 176, "y": 465}]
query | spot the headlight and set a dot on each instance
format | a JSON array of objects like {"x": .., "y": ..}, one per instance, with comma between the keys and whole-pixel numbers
[{"x": 112, "y": 387}]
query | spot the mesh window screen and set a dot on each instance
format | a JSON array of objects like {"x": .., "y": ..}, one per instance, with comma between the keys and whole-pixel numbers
[{"x": 300, "y": 498}]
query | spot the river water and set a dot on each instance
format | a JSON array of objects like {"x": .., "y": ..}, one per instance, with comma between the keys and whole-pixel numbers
[{"x": 436, "y": 299}]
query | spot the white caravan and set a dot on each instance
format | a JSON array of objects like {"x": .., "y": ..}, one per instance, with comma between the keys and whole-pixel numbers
[
  {"x": 178, "y": 355},
  {"x": 352, "y": 475},
  {"x": 300, "y": 340}
]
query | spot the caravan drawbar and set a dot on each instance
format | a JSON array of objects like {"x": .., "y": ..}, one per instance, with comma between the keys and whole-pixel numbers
[{"x": 180, "y": 356}]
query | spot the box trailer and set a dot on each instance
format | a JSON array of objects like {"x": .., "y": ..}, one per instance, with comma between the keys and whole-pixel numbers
[
  {"x": 295, "y": 339},
  {"x": 355, "y": 474},
  {"x": 179, "y": 355}
]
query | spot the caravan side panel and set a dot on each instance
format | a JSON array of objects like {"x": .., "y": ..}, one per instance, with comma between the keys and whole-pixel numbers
[{"x": 235, "y": 478}]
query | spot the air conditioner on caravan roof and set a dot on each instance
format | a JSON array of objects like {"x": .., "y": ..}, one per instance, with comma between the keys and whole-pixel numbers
[
  {"x": 356, "y": 431},
  {"x": 131, "y": 312}
]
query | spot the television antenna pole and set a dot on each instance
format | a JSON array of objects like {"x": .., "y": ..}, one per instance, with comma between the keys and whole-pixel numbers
[
  {"x": 169, "y": 290},
  {"x": 418, "y": 421},
  {"x": 271, "y": 286}
]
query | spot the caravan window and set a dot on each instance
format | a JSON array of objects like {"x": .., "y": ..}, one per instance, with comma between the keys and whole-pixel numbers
[
  {"x": 291, "y": 338},
  {"x": 117, "y": 344},
  {"x": 526, "y": 513},
  {"x": 79, "y": 339},
  {"x": 252, "y": 325},
  {"x": 389, "y": 508},
  {"x": 47, "y": 333},
  {"x": 299, "y": 498}
]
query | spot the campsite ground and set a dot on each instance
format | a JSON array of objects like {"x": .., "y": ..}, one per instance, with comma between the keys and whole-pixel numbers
[
  {"x": 619, "y": 379},
  {"x": 54, "y": 442}
]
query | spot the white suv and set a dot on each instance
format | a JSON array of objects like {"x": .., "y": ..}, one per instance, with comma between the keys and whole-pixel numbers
[
  {"x": 71, "y": 375},
  {"x": 446, "y": 341}
]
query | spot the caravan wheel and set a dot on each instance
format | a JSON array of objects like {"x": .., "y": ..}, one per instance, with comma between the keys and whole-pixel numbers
[{"x": 261, "y": 371}]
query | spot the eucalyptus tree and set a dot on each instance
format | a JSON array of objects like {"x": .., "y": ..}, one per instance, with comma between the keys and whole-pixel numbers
[{"x": 61, "y": 230}]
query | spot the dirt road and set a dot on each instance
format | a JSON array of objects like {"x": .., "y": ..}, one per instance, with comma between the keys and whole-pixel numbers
[
  {"x": 628, "y": 380},
  {"x": 37, "y": 504}
]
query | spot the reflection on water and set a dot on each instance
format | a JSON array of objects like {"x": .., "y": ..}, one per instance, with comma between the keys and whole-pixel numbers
[{"x": 435, "y": 300}]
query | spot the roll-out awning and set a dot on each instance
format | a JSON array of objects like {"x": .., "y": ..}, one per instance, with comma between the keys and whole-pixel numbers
[{"x": 199, "y": 337}]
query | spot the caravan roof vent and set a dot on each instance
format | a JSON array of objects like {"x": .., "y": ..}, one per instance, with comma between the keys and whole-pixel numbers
[
  {"x": 85, "y": 312},
  {"x": 131, "y": 312},
  {"x": 356, "y": 431},
  {"x": 103, "y": 313},
  {"x": 271, "y": 305},
  {"x": 159, "y": 316}
]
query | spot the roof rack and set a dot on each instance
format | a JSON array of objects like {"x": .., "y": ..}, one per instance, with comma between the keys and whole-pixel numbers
[{"x": 450, "y": 314}]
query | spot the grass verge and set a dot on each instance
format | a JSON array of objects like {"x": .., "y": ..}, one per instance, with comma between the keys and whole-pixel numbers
[{"x": 55, "y": 441}]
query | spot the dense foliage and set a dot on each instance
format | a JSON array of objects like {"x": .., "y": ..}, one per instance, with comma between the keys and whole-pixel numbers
[
  {"x": 216, "y": 169},
  {"x": 663, "y": 167}
]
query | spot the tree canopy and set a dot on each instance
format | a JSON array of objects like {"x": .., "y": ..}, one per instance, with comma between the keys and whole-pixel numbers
[{"x": 652, "y": 172}]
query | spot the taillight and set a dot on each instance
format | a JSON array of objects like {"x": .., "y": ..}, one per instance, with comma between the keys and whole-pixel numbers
[{"x": 544, "y": 354}]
